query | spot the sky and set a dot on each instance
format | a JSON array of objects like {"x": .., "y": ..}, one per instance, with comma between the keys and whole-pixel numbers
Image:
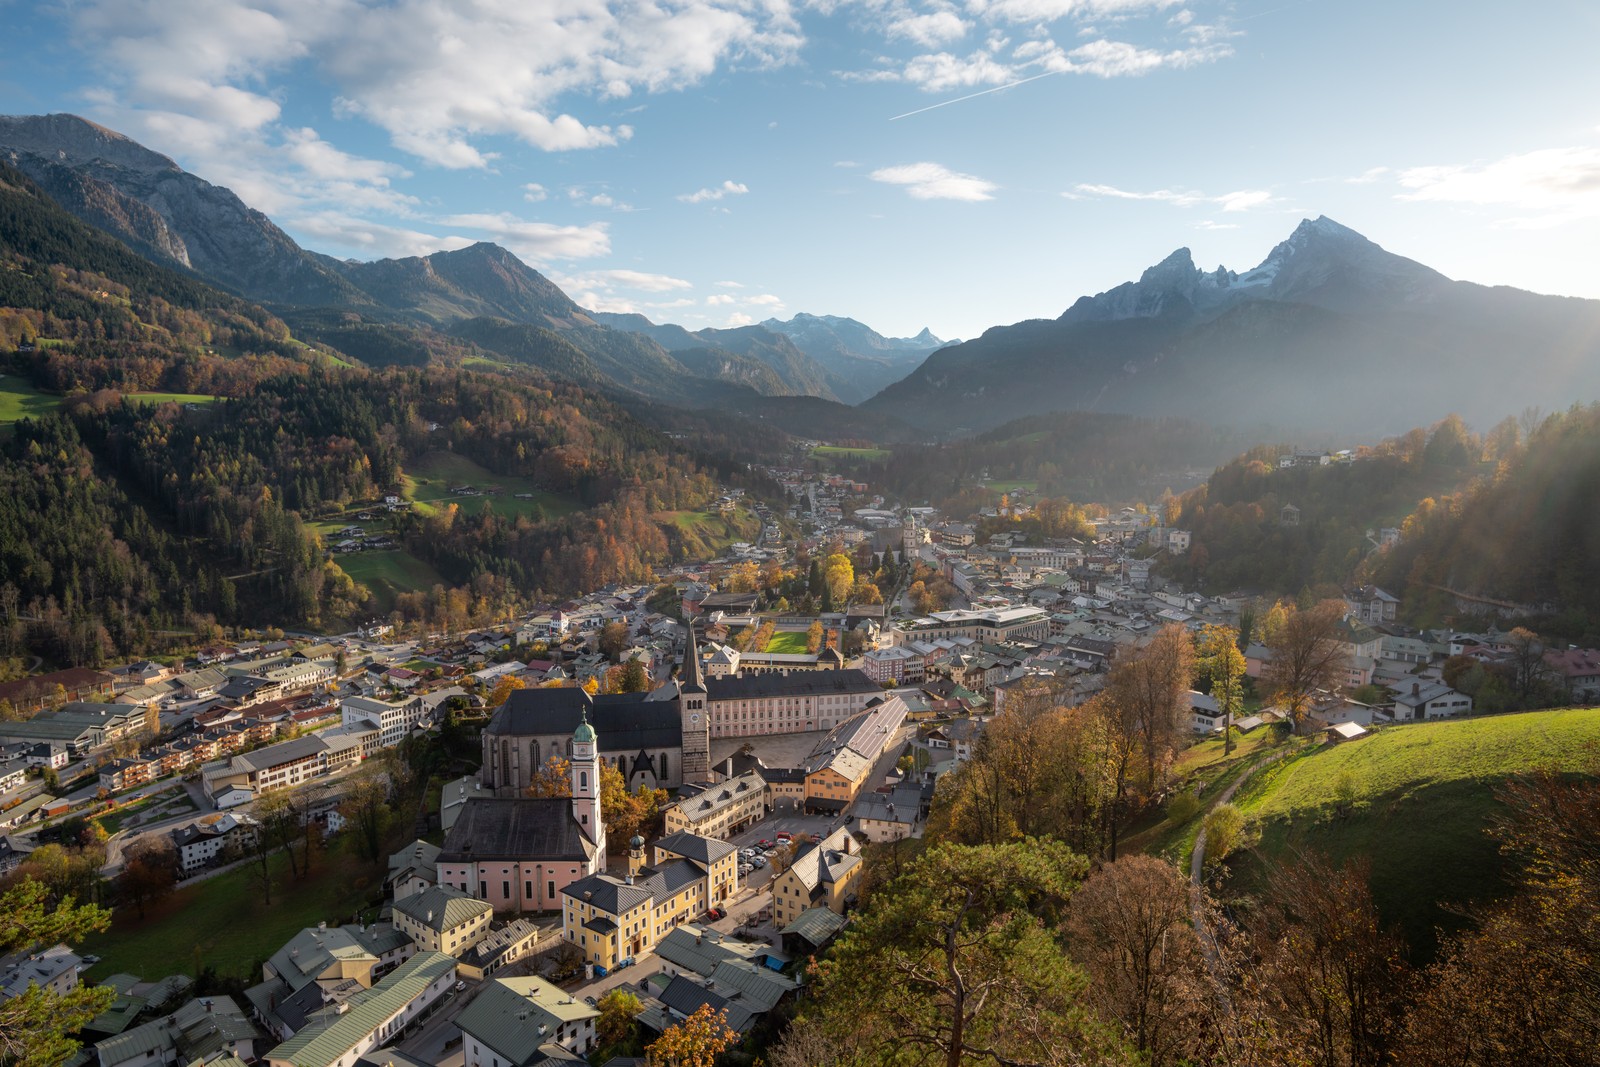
[{"x": 954, "y": 164}]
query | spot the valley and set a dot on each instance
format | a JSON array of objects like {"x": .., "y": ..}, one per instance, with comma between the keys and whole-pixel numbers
[{"x": 1283, "y": 560}]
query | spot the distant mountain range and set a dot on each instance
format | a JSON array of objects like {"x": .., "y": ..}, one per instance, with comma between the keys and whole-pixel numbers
[
  {"x": 1330, "y": 334},
  {"x": 483, "y": 292}
]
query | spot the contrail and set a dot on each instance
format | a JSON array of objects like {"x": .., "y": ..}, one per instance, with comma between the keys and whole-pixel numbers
[{"x": 974, "y": 96}]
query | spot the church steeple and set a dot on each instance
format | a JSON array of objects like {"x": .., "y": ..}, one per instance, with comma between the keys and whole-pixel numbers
[
  {"x": 586, "y": 781},
  {"x": 691, "y": 680},
  {"x": 696, "y": 716}
]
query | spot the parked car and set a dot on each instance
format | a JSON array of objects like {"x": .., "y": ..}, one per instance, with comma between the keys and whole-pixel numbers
[
  {"x": 624, "y": 962},
  {"x": 784, "y": 835},
  {"x": 764, "y": 843},
  {"x": 590, "y": 1001}
]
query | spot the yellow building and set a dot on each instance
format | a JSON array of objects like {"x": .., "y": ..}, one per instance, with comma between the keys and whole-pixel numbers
[
  {"x": 612, "y": 919},
  {"x": 841, "y": 765},
  {"x": 443, "y": 919},
  {"x": 720, "y": 810},
  {"x": 824, "y": 874}
]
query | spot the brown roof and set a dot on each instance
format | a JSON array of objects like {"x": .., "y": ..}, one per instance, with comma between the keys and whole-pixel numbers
[{"x": 73, "y": 679}]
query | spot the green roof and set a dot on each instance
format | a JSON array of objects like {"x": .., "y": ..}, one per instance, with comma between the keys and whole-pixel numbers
[
  {"x": 442, "y": 908},
  {"x": 507, "y": 1013},
  {"x": 367, "y": 1011},
  {"x": 816, "y": 925}
]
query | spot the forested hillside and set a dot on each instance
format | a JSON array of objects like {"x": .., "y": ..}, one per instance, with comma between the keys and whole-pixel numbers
[
  {"x": 1242, "y": 537},
  {"x": 1525, "y": 535},
  {"x": 215, "y": 497},
  {"x": 1112, "y": 457}
]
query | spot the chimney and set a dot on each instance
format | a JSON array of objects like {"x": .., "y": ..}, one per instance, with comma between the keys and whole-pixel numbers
[{"x": 1416, "y": 688}]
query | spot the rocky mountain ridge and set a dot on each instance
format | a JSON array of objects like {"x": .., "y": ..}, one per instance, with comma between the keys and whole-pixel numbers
[{"x": 1330, "y": 332}]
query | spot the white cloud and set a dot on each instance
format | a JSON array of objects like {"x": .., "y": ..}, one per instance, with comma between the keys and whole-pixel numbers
[
  {"x": 537, "y": 241},
  {"x": 930, "y": 30},
  {"x": 1553, "y": 185},
  {"x": 1175, "y": 42},
  {"x": 720, "y": 300},
  {"x": 1035, "y": 11},
  {"x": 727, "y": 188},
  {"x": 1367, "y": 177},
  {"x": 373, "y": 239},
  {"x": 439, "y": 77},
  {"x": 765, "y": 300},
  {"x": 650, "y": 283},
  {"x": 933, "y": 181},
  {"x": 729, "y": 285},
  {"x": 739, "y": 318},
  {"x": 1239, "y": 200},
  {"x": 533, "y": 192}
]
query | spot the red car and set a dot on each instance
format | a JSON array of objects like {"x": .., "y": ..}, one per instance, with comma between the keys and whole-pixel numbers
[
  {"x": 784, "y": 835},
  {"x": 764, "y": 843}
]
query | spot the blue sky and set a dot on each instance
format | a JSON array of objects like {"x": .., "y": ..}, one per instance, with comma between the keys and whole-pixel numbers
[{"x": 714, "y": 162}]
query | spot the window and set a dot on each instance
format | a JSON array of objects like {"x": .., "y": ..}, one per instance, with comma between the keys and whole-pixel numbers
[
  {"x": 552, "y": 888},
  {"x": 505, "y": 890}
]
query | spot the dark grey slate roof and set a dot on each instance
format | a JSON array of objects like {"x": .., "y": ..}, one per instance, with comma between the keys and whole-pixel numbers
[
  {"x": 667, "y": 880},
  {"x": 520, "y": 827},
  {"x": 624, "y": 722},
  {"x": 607, "y": 893},
  {"x": 703, "y": 850},
  {"x": 685, "y": 997},
  {"x": 800, "y": 683}
]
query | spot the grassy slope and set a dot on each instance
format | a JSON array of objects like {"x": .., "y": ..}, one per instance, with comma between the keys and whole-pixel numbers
[
  {"x": 429, "y": 480},
  {"x": 704, "y": 534},
  {"x": 389, "y": 572},
  {"x": 20, "y": 400},
  {"x": 223, "y": 920},
  {"x": 1425, "y": 796}
]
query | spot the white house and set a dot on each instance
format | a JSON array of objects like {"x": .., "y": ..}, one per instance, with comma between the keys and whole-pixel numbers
[{"x": 202, "y": 842}]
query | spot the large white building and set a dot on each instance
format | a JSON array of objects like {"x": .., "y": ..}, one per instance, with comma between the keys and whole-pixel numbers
[{"x": 985, "y": 625}]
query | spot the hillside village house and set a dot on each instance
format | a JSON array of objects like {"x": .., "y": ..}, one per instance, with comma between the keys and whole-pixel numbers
[
  {"x": 371, "y": 1017},
  {"x": 720, "y": 810},
  {"x": 611, "y": 919},
  {"x": 1428, "y": 700},
  {"x": 322, "y": 965},
  {"x": 203, "y": 841},
  {"x": 823, "y": 874},
  {"x": 442, "y": 919},
  {"x": 526, "y": 1022},
  {"x": 200, "y": 1031}
]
